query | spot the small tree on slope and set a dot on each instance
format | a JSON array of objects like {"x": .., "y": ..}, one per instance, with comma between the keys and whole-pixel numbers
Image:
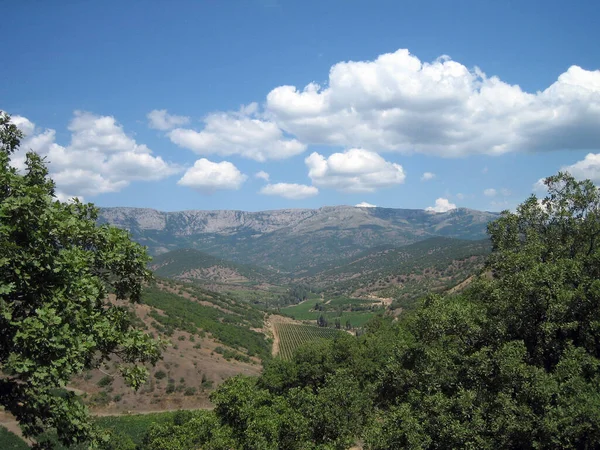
[{"x": 56, "y": 268}]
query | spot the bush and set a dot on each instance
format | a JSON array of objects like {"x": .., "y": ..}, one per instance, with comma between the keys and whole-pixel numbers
[
  {"x": 105, "y": 381},
  {"x": 160, "y": 375},
  {"x": 189, "y": 391}
]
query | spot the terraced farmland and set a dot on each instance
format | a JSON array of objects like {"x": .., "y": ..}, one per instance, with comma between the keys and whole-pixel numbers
[{"x": 291, "y": 336}]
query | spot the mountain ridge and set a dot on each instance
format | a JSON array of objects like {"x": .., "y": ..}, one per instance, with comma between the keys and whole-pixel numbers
[{"x": 291, "y": 239}]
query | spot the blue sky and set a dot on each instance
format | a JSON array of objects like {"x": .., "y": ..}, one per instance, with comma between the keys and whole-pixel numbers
[{"x": 179, "y": 105}]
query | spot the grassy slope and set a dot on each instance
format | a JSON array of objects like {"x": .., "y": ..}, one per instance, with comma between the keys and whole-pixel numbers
[
  {"x": 211, "y": 338},
  {"x": 10, "y": 441},
  {"x": 226, "y": 320}
]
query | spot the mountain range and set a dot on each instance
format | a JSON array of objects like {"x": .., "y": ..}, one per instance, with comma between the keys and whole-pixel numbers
[{"x": 292, "y": 240}]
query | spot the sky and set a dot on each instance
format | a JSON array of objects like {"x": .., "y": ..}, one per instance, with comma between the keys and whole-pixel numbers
[{"x": 269, "y": 104}]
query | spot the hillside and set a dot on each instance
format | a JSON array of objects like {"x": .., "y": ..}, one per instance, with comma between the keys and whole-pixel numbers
[
  {"x": 291, "y": 240},
  {"x": 210, "y": 338},
  {"x": 194, "y": 265},
  {"x": 405, "y": 273}
]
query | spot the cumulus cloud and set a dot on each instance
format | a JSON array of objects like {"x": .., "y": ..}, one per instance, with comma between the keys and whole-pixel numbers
[
  {"x": 365, "y": 205},
  {"x": 490, "y": 192},
  {"x": 100, "y": 157},
  {"x": 427, "y": 176},
  {"x": 586, "y": 169},
  {"x": 262, "y": 175},
  {"x": 355, "y": 170},
  {"x": 239, "y": 133},
  {"x": 160, "y": 119},
  {"x": 441, "y": 205},
  {"x": 540, "y": 187},
  {"x": 207, "y": 176},
  {"x": 400, "y": 103},
  {"x": 290, "y": 191}
]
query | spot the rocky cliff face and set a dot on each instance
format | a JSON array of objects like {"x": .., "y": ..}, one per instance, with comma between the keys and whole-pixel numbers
[{"x": 290, "y": 239}]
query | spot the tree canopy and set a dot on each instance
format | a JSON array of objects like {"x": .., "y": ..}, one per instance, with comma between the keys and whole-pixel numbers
[{"x": 57, "y": 268}]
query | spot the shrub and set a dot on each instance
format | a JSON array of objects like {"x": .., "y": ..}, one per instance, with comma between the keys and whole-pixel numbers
[
  {"x": 105, "y": 381},
  {"x": 189, "y": 391}
]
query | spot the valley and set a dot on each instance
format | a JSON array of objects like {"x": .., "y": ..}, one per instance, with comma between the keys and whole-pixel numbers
[
  {"x": 225, "y": 310},
  {"x": 234, "y": 290}
]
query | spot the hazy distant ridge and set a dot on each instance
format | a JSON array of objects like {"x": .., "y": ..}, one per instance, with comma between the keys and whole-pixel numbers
[{"x": 290, "y": 239}]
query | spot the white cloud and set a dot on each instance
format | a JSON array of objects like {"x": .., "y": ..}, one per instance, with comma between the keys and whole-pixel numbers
[
  {"x": 86, "y": 182},
  {"x": 160, "y": 119},
  {"x": 291, "y": 191},
  {"x": 484, "y": 170},
  {"x": 460, "y": 196},
  {"x": 239, "y": 133},
  {"x": 399, "y": 103},
  {"x": 365, "y": 205},
  {"x": 441, "y": 205},
  {"x": 262, "y": 175},
  {"x": 540, "y": 187},
  {"x": 491, "y": 192},
  {"x": 207, "y": 176},
  {"x": 355, "y": 170},
  {"x": 23, "y": 123},
  {"x": 67, "y": 198},
  {"x": 427, "y": 176},
  {"x": 100, "y": 157},
  {"x": 586, "y": 169}
]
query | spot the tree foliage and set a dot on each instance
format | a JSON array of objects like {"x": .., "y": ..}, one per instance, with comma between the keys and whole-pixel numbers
[{"x": 57, "y": 268}]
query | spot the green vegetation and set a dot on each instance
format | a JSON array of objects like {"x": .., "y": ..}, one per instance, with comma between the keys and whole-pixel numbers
[
  {"x": 133, "y": 426},
  {"x": 292, "y": 336},
  {"x": 105, "y": 381},
  {"x": 404, "y": 274},
  {"x": 10, "y": 441},
  {"x": 56, "y": 269},
  {"x": 123, "y": 432},
  {"x": 230, "y": 325},
  {"x": 188, "y": 263},
  {"x": 511, "y": 362},
  {"x": 252, "y": 316},
  {"x": 344, "y": 309}
]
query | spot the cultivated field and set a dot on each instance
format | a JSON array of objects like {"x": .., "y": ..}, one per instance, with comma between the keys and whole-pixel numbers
[{"x": 291, "y": 336}]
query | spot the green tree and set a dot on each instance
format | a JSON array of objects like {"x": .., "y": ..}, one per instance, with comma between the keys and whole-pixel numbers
[
  {"x": 512, "y": 363},
  {"x": 57, "y": 268}
]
